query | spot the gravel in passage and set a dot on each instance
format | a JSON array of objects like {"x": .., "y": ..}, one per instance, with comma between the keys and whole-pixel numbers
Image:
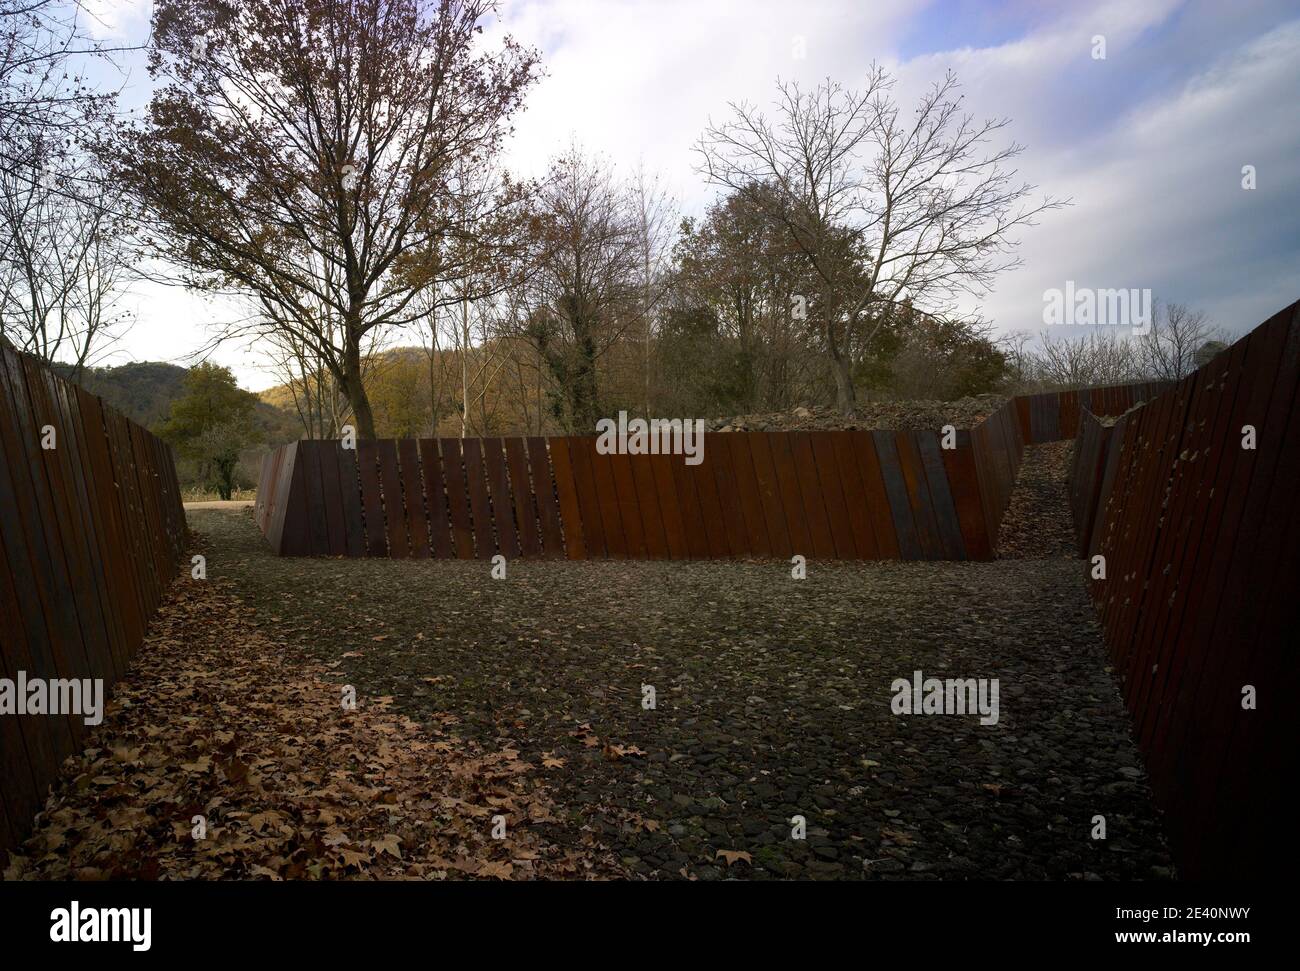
[
  {"x": 1038, "y": 522},
  {"x": 772, "y": 700}
]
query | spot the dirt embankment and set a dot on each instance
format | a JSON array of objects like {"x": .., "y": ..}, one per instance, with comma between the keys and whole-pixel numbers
[{"x": 963, "y": 413}]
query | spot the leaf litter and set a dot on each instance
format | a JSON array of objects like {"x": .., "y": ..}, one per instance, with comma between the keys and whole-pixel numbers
[{"x": 219, "y": 719}]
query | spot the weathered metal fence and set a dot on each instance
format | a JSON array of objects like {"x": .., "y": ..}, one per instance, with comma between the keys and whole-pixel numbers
[
  {"x": 1055, "y": 415},
  {"x": 1191, "y": 500},
  {"x": 822, "y": 494},
  {"x": 91, "y": 531}
]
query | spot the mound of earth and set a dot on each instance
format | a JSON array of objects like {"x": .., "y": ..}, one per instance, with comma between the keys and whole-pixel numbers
[{"x": 893, "y": 415}]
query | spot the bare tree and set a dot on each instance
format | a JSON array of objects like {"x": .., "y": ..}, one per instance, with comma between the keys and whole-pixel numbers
[
  {"x": 1171, "y": 348},
  {"x": 882, "y": 205},
  {"x": 586, "y": 289},
  {"x": 307, "y": 152},
  {"x": 1093, "y": 358},
  {"x": 64, "y": 260},
  {"x": 45, "y": 100},
  {"x": 655, "y": 210}
]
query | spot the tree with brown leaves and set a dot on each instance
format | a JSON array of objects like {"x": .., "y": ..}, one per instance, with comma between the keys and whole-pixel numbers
[{"x": 307, "y": 152}]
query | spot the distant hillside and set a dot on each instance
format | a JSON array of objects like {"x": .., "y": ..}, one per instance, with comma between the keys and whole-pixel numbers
[{"x": 143, "y": 391}]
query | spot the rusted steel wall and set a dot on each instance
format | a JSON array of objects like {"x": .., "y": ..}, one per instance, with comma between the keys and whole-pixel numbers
[
  {"x": 91, "y": 532},
  {"x": 997, "y": 446},
  {"x": 1091, "y": 473},
  {"x": 1055, "y": 415},
  {"x": 821, "y": 494},
  {"x": 1200, "y": 597}
]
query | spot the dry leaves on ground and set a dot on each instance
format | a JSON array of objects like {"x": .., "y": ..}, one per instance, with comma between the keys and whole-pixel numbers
[{"x": 218, "y": 720}]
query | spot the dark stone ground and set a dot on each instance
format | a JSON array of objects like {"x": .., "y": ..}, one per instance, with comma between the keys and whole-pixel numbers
[{"x": 773, "y": 699}]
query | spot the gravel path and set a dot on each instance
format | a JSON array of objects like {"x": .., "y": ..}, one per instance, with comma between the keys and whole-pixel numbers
[
  {"x": 1038, "y": 523},
  {"x": 772, "y": 700}
]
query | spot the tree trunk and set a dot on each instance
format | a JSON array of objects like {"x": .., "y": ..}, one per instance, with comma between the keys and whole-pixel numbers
[
  {"x": 355, "y": 390},
  {"x": 845, "y": 396},
  {"x": 464, "y": 367}
]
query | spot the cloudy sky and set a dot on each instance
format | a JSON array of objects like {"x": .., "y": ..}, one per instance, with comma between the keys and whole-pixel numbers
[{"x": 1148, "y": 143}]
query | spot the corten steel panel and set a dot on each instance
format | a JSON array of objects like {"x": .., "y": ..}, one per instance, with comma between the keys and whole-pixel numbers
[
  {"x": 522, "y": 489},
  {"x": 435, "y": 500},
  {"x": 453, "y": 471},
  {"x": 832, "y": 490},
  {"x": 25, "y": 744},
  {"x": 1087, "y": 473},
  {"x": 1268, "y": 492},
  {"x": 568, "y": 507},
  {"x": 1160, "y": 567},
  {"x": 941, "y": 497},
  {"x": 751, "y": 502},
  {"x": 769, "y": 492},
  {"x": 390, "y": 487},
  {"x": 69, "y": 532},
  {"x": 120, "y": 449},
  {"x": 1069, "y": 425},
  {"x": 873, "y": 484},
  {"x": 79, "y": 539},
  {"x": 891, "y": 472},
  {"x": 855, "y": 496},
  {"x": 27, "y": 645},
  {"x": 502, "y": 505},
  {"x": 1171, "y": 582},
  {"x": 1114, "y": 456},
  {"x": 1270, "y": 740},
  {"x": 628, "y": 505},
  {"x": 149, "y": 496},
  {"x": 589, "y": 503},
  {"x": 349, "y": 479},
  {"x": 297, "y": 516},
  {"x": 1198, "y": 534},
  {"x": 372, "y": 498},
  {"x": 332, "y": 498},
  {"x": 279, "y": 511},
  {"x": 1125, "y": 576},
  {"x": 717, "y": 454},
  {"x": 607, "y": 497},
  {"x": 66, "y": 648},
  {"x": 317, "y": 521},
  {"x": 666, "y": 490},
  {"x": 963, "y": 484},
  {"x": 814, "y": 504},
  {"x": 1232, "y": 392},
  {"x": 918, "y": 495},
  {"x": 787, "y": 478},
  {"x": 265, "y": 478},
  {"x": 107, "y": 581},
  {"x": 597, "y": 498},
  {"x": 548, "y": 509},
  {"x": 124, "y": 583},
  {"x": 688, "y": 502},
  {"x": 1152, "y": 491},
  {"x": 417, "y": 521},
  {"x": 90, "y": 534},
  {"x": 1052, "y": 416},
  {"x": 265, "y": 485},
  {"x": 476, "y": 481},
  {"x": 705, "y": 481},
  {"x": 652, "y": 517},
  {"x": 1021, "y": 405}
]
